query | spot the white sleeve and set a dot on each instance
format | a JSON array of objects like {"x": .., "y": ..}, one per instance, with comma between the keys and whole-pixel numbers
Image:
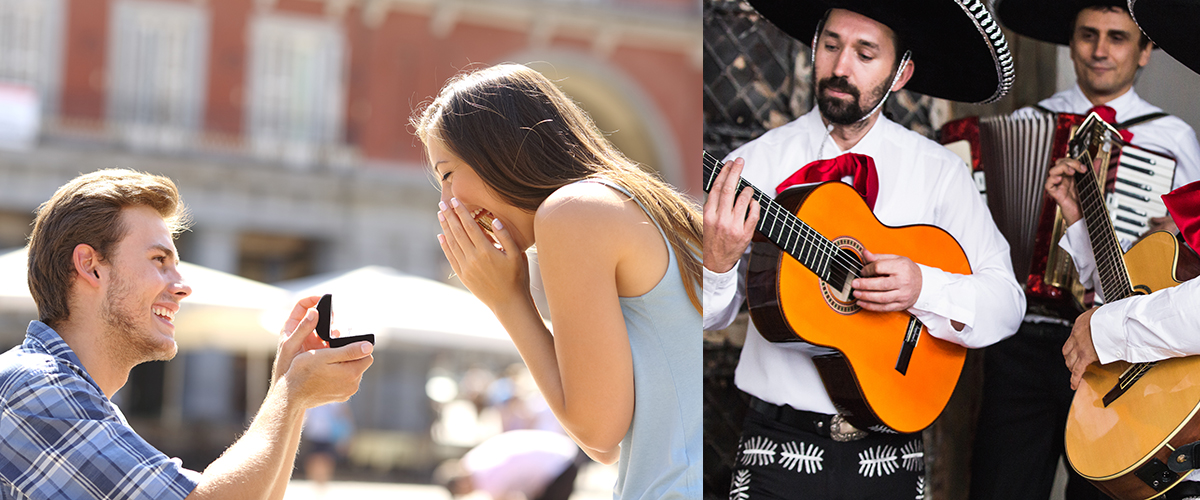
[
  {"x": 1149, "y": 327},
  {"x": 1076, "y": 242},
  {"x": 989, "y": 302},
  {"x": 724, "y": 294}
]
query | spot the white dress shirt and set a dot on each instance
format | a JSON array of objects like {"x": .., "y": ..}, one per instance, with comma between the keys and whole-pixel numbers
[
  {"x": 920, "y": 182},
  {"x": 1168, "y": 135}
]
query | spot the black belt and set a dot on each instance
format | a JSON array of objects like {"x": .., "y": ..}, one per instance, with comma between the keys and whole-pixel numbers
[{"x": 808, "y": 421}]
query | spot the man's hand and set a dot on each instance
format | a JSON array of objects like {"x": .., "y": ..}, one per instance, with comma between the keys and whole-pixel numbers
[
  {"x": 316, "y": 374},
  {"x": 1060, "y": 185},
  {"x": 1164, "y": 223},
  {"x": 1078, "y": 351},
  {"x": 889, "y": 283},
  {"x": 729, "y": 219}
]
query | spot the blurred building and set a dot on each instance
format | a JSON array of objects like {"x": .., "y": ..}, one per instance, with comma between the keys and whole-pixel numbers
[{"x": 285, "y": 125}]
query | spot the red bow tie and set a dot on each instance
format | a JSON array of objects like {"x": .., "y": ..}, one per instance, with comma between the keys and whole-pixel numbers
[
  {"x": 1110, "y": 115},
  {"x": 861, "y": 167}
]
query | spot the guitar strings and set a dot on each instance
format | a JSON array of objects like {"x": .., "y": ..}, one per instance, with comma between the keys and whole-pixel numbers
[
  {"x": 790, "y": 221},
  {"x": 852, "y": 268}
]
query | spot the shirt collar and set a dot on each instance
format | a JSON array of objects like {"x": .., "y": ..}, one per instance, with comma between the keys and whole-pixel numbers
[
  {"x": 1123, "y": 104},
  {"x": 828, "y": 148},
  {"x": 40, "y": 338}
]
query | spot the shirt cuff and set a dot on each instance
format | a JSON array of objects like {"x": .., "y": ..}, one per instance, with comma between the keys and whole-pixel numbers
[
  {"x": 1108, "y": 332},
  {"x": 719, "y": 290},
  {"x": 945, "y": 301}
]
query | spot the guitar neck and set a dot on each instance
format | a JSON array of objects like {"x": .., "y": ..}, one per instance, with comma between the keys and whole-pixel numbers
[
  {"x": 1110, "y": 261},
  {"x": 795, "y": 237}
]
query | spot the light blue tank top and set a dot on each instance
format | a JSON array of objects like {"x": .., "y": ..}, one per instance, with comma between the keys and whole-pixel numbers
[{"x": 662, "y": 455}]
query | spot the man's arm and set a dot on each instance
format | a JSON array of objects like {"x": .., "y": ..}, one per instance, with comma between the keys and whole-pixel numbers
[
  {"x": 972, "y": 310},
  {"x": 306, "y": 375},
  {"x": 729, "y": 222}
]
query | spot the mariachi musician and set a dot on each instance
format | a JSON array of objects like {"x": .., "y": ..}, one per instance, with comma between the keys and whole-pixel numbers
[
  {"x": 794, "y": 443},
  {"x": 1025, "y": 394},
  {"x": 1163, "y": 324}
]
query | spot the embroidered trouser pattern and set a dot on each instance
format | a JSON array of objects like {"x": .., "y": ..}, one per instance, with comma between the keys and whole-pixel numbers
[{"x": 776, "y": 461}]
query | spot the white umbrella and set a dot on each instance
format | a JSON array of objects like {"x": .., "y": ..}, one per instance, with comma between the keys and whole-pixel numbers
[
  {"x": 402, "y": 308},
  {"x": 224, "y": 310}
]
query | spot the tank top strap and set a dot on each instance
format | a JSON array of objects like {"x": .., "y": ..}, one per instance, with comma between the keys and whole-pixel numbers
[{"x": 618, "y": 187}]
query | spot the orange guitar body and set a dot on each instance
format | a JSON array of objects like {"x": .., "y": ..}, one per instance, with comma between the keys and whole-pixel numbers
[
  {"x": 1115, "y": 446},
  {"x": 789, "y": 303}
]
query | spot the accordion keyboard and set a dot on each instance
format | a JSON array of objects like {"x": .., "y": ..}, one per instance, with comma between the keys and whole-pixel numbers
[{"x": 1142, "y": 178}]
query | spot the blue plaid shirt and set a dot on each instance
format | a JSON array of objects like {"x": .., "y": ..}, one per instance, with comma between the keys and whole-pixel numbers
[{"x": 61, "y": 438}]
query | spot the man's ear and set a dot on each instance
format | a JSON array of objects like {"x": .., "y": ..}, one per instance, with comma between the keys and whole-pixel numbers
[
  {"x": 905, "y": 75},
  {"x": 87, "y": 263}
]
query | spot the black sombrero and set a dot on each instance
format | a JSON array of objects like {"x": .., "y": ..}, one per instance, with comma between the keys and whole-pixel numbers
[
  {"x": 1171, "y": 25},
  {"x": 959, "y": 50},
  {"x": 1046, "y": 20}
]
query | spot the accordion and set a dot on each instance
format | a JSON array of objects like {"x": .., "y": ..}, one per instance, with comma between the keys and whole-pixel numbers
[{"x": 1010, "y": 158}]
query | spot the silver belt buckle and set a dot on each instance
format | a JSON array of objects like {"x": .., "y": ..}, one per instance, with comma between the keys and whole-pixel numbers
[{"x": 841, "y": 431}]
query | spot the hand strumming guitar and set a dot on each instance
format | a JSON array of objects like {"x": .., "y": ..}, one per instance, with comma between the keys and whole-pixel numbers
[
  {"x": 889, "y": 283},
  {"x": 1078, "y": 351}
]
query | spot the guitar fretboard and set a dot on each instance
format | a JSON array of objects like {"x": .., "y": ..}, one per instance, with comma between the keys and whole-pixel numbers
[
  {"x": 1110, "y": 261},
  {"x": 813, "y": 250}
]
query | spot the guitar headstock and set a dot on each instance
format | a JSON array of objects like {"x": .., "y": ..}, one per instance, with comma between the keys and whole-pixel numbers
[{"x": 1091, "y": 139}]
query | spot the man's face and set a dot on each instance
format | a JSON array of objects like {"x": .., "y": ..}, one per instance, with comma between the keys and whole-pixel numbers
[
  {"x": 143, "y": 291},
  {"x": 855, "y": 61},
  {"x": 1105, "y": 50}
]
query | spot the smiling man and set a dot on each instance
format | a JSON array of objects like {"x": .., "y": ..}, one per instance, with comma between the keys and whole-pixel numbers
[
  {"x": 103, "y": 270},
  {"x": 796, "y": 442}
]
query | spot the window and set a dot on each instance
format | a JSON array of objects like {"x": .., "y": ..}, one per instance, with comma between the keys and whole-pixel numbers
[
  {"x": 157, "y": 72},
  {"x": 31, "y": 47},
  {"x": 295, "y": 101}
]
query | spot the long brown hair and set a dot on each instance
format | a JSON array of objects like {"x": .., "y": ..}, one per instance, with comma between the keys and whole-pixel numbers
[{"x": 525, "y": 138}]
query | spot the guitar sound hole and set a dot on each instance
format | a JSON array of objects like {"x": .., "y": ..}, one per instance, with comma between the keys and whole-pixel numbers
[{"x": 843, "y": 269}]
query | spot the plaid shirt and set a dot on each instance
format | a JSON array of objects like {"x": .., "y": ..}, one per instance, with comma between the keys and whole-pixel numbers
[{"x": 61, "y": 438}]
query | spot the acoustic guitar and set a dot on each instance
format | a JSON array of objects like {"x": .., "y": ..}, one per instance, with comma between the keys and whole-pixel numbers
[
  {"x": 1128, "y": 418},
  {"x": 887, "y": 369}
]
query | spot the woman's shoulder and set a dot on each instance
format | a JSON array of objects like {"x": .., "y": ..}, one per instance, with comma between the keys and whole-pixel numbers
[{"x": 582, "y": 202}]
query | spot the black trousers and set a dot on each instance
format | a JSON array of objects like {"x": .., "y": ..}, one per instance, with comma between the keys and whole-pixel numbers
[
  {"x": 1023, "y": 415},
  {"x": 777, "y": 461}
]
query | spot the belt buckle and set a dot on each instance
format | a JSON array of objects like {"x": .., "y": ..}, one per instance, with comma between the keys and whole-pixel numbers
[{"x": 841, "y": 431}]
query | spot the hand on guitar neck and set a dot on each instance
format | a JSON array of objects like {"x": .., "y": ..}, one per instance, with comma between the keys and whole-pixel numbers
[
  {"x": 729, "y": 219},
  {"x": 1060, "y": 185},
  {"x": 1078, "y": 351}
]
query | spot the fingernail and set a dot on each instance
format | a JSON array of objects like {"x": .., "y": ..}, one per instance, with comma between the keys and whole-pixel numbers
[
  {"x": 442, "y": 205},
  {"x": 441, "y": 217},
  {"x": 454, "y": 201},
  {"x": 441, "y": 238},
  {"x": 367, "y": 347},
  {"x": 497, "y": 225}
]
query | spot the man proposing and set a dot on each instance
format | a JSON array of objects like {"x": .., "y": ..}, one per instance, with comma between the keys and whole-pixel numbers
[
  {"x": 103, "y": 272},
  {"x": 796, "y": 442}
]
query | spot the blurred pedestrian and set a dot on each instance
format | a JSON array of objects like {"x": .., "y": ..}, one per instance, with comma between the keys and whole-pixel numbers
[
  {"x": 327, "y": 432},
  {"x": 515, "y": 465}
]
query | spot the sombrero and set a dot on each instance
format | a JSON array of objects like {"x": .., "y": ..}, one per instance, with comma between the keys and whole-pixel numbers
[
  {"x": 1171, "y": 25},
  {"x": 959, "y": 50},
  {"x": 1046, "y": 20}
]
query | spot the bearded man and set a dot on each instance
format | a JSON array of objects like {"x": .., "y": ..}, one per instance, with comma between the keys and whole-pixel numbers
[{"x": 862, "y": 51}]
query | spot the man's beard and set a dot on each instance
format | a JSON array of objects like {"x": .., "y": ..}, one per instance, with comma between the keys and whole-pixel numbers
[
  {"x": 846, "y": 112},
  {"x": 125, "y": 340}
]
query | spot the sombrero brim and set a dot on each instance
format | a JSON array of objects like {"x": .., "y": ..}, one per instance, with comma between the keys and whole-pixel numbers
[
  {"x": 959, "y": 51},
  {"x": 1171, "y": 25},
  {"x": 1045, "y": 20}
]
